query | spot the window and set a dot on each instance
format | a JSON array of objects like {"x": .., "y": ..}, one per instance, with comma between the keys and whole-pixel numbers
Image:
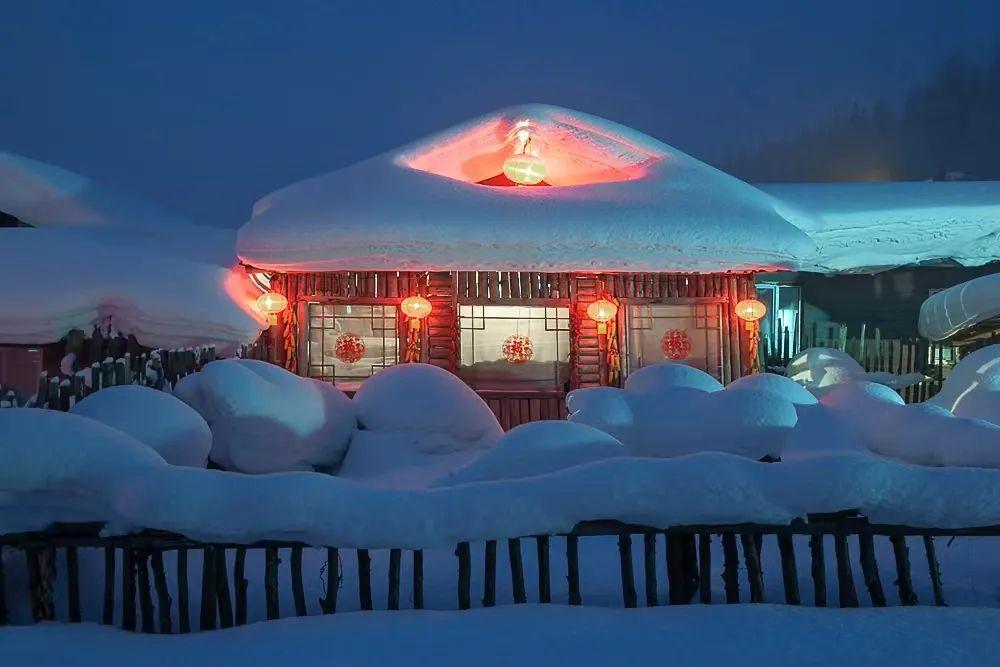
[
  {"x": 683, "y": 333},
  {"x": 350, "y": 342},
  {"x": 783, "y": 307},
  {"x": 514, "y": 347}
]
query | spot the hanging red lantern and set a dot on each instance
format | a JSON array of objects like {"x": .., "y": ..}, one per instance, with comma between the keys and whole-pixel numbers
[
  {"x": 349, "y": 348},
  {"x": 676, "y": 344},
  {"x": 602, "y": 311},
  {"x": 517, "y": 349}
]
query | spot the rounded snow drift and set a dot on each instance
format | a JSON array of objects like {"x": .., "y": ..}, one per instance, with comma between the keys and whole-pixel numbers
[
  {"x": 774, "y": 384},
  {"x": 538, "y": 448},
  {"x": 860, "y": 395},
  {"x": 655, "y": 378},
  {"x": 421, "y": 397},
  {"x": 173, "y": 429},
  {"x": 820, "y": 367}
]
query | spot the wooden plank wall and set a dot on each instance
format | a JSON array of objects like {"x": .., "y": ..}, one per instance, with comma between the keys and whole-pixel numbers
[
  {"x": 588, "y": 367},
  {"x": 521, "y": 408},
  {"x": 501, "y": 286},
  {"x": 441, "y": 348}
]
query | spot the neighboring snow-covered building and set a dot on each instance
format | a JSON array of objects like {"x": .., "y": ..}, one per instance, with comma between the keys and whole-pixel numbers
[
  {"x": 512, "y": 225},
  {"x": 77, "y": 256}
]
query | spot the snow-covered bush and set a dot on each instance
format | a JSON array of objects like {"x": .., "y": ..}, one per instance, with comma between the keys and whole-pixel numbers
[
  {"x": 671, "y": 409},
  {"x": 972, "y": 389},
  {"x": 417, "y": 422},
  {"x": 173, "y": 429},
  {"x": 265, "y": 419},
  {"x": 820, "y": 368},
  {"x": 919, "y": 433},
  {"x": 537, "y": 448}
]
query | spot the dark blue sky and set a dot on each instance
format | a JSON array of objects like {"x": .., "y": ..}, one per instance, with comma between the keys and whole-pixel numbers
[{"x": 203, "y": 107}]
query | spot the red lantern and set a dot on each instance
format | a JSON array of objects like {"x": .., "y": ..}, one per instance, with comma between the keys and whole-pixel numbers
[
  {"x": 349, "y": 348},
  {"x": 676, "y": 344},
  {"x": 517, "y": 349}
]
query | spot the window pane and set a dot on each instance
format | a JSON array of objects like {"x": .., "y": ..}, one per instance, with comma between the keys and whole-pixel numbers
[
  {"x": 351, "y": 342},
  {"x": 484, "y": 332},
  {"x": 687, "y": 334}
]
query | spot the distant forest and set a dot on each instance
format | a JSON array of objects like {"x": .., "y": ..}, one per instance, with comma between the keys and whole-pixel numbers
[{"x": 947, "y": 128}]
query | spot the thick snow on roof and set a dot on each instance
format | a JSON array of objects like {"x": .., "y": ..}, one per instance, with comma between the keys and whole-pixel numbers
[
  {"x": 947, "y": 312},
  {"x": 54, "y": 282},
  {"x": 620, "y": 201},
  {"x": 50, "y": 197},
  {"x": 867, "y": 226}
]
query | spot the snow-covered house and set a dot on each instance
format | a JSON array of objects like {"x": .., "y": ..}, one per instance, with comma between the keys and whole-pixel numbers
[
  {"x": 77, "y": 255},
  {"x": 882, "y": 249},
  {"x": 512, "y": 225}
]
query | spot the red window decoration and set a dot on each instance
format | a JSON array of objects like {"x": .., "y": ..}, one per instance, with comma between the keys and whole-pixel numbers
[
  {"x": 349, "y": 348},
  {"x": 517, "y": 349},
  {"x": 676, "y": 344}
]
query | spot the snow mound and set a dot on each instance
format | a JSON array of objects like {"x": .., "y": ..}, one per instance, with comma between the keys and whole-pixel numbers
[
  {"x": 820, "y": 431},
  {"x": 924, "y": 434},
  {"x": 774, "y": 384},
  {"x": 646, "y": 205},
  {"x": 661, "y": 414},
  {"x": 818, "y": 369},
  {"x": 61, "y": 466},
  {"x": 265, "y": 419},
  {"x": 170, "y": 427},
  {"x": 417, "y": 423},
  {"x": 164, "y": 301},
  {"x": 537, "y": 448},
  {"x": 972, "y": 389},
  {"x": 659, "y": 376}
]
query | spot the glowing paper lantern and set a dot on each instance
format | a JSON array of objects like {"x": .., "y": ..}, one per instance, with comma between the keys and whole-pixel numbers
[
  {"x": 349, "y": 348},
  {"x": 517, "y": 349},
  {"x": 676, "y": 344},
  {"x": 750, "y": 310},
  {"x": 415, "y": 307},
  {"x": 525, "y": 169},
  {"x": 270, "y": 304},
  {"x": 602, "y": 311}
]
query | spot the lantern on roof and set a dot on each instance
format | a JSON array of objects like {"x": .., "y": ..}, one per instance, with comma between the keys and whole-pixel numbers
[
  {"x": 676, "y": 344},
  {"x": 270, "y": 304},
  {"x": 349, "y": 348},
  {"x": 517, "y": 349},
  {"x": 602, "y": 311},
  {"x": 750, "y": 311},
  {"x": 524, "y": 167}
]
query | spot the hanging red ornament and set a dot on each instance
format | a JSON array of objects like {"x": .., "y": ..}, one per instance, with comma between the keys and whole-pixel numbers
[
  {"x": 676, "y": 344},
  {"x": 349, "y": 348},
  {"x": 517, "y": 349}
]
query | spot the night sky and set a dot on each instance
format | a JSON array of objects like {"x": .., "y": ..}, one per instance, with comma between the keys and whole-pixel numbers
[{"x": 203, "y": 107}]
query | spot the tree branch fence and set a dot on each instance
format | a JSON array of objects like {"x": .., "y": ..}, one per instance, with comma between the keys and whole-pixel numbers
[{"x": 139, "y": 588}]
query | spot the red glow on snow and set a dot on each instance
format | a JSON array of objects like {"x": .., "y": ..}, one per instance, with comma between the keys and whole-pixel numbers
[
  {"x": 574, "y": 152},
  {"x": 243, "y": 293}
]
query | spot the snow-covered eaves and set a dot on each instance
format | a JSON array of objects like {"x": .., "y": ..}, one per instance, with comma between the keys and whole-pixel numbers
[
  {"x": 55, "y": 281},
  {"x": 621, "y": 201},
  {"x": 872, "y": 226},
  {"x": 953, "y": 310}
]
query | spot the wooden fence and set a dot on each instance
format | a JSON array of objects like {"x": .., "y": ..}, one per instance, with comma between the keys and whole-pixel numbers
[
  {"x": 146, "y": 603},
  {"x": 159, "y": 369}
]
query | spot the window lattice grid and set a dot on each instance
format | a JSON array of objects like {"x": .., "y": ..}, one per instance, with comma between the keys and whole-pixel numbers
[
  {"x": 483, "y": 331},
  {"x": 375, "y": 325}
]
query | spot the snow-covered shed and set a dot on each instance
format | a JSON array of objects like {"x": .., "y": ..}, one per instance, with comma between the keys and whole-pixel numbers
[{"x": 512, "y": 225}]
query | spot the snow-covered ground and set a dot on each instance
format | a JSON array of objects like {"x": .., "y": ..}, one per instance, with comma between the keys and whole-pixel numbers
[{"x": 545, "y": 635}]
